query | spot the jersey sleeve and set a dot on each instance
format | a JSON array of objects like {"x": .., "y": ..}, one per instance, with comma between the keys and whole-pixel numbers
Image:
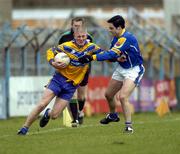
[
  {"x": 121, "y": 45},
  {"x": 105, "y": 55},
  {"x": 114, "y": 53},
  {"x": 50, "y": 53},
  {"x": 97, "y": 50}
]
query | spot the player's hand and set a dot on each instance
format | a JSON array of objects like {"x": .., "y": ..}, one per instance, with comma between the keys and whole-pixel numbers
[
  {"x": 85, "y": 59},
  {"x": 122, "y": 58},
  {"x": 59, "y": 65}
]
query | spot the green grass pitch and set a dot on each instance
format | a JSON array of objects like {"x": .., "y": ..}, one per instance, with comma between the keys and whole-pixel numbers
[{"x": 153, "y": 135}]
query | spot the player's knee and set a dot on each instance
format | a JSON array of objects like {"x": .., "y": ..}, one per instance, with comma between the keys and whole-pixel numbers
[
  {"x": 41, "y": 106},
  {"x": 108, "y": 96},
  {"x": 123, "y": 98},
  {"x": 81, "y": 96},
  {"x": 54, "y": 116}
]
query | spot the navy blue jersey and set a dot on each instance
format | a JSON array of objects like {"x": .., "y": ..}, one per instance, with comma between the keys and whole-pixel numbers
[{"x": 125, "y": 46}]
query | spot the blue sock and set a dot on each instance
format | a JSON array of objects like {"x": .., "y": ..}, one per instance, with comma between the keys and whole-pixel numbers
[
  {"x": 24, "y": 129},
  {"x": 113, "y": 115},
  {"x": 128, "y": 124},
  {"x": 47, "y": 113}
]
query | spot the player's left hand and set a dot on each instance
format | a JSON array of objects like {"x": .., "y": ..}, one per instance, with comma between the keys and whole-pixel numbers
[
  {"x": 85, "y": 59},
  {"x": 122, "y": 58}
]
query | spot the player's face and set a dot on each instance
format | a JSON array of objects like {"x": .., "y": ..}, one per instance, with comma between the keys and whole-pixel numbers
[
  {"x": 113, "y": 30},
  {"x": 76, "y": 24},
  {"x": 80, "y": 38}
]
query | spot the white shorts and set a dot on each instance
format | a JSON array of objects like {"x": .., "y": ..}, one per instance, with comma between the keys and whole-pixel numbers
[{"x": 135, "y": 73}]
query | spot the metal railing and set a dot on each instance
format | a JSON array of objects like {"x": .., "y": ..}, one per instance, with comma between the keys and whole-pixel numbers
[
  {"x": 157, "y": 45},
  {"x": 23, "y": 50}
]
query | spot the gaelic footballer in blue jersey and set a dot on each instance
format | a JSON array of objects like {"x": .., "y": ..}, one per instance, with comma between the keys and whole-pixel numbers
[{"x": 124, "y": 50}]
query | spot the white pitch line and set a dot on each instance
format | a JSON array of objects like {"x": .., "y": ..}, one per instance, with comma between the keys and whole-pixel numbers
[
  {"x": 85, "y": 126},
  {"x": 50, "y": 130},
  {"x": 158, "y": 121},
  {"x": 5, "y": 136},
  {"x": 61, "y": 128}
]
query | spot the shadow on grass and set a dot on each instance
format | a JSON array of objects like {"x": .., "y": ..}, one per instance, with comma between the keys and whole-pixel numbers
[{"x": 118, "y": 142}]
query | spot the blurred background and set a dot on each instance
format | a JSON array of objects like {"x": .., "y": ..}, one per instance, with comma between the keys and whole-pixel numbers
[{"x": 28, "y": 28}]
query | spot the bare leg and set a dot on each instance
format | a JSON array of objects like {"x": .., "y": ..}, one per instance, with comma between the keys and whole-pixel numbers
[
  {"x": 124, "y": 94},
  {"x": 58, "y": 107},
  {"x": 48, "y": 95},
  {"x": 113, "y": 87}
]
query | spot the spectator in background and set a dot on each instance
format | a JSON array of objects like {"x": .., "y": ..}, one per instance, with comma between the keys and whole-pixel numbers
[
  {"x": 66, "y": 79},
  {"x": 77, "y": 109},
  {"x": 128, "y": 74}
]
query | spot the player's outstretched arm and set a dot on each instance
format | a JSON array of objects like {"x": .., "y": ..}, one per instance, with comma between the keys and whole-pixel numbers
[{"x": 106, "y": 55}]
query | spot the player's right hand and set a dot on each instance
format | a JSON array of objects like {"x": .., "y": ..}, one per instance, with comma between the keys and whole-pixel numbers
[{"x": 59, "y": 65}]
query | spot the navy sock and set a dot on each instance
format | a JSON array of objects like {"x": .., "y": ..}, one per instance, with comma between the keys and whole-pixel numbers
[
  {"x": 128, "y": 124},
  {"x": 81, "y": 104},
  {"x": 113, "y": 115},
  {"x": 74, "y": 109}
]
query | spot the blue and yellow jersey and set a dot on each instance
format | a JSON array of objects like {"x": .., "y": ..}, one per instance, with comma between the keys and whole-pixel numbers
[
  {"x": 127, "y": 46},
  {"x": 75, "y": 71}
]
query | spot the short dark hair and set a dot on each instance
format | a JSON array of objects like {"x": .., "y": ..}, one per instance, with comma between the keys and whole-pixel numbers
[
  {"x": 78, "y": 19},
  {"x": 117, "y": 21}
]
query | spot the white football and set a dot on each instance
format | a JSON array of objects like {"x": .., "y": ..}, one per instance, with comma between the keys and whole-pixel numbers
[{"x": 62, "y": 57}]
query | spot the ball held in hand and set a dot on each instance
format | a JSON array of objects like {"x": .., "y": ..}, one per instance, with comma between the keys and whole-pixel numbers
[{"x": 62, "y": 57}]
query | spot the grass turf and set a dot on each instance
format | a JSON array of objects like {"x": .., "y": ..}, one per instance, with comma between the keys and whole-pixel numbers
[{"x": 153, "y": 135}]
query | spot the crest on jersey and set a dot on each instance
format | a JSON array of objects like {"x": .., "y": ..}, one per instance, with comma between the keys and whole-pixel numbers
[{"x": 117, "y": 45}]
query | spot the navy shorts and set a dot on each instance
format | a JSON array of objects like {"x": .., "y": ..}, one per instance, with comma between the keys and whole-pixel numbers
[{"x": 61, "y": 87}]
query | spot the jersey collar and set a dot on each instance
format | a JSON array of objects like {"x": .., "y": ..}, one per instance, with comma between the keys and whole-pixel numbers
[
  {"x": 74, "y": 41},
  {"x": 122, "y": 32}
]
